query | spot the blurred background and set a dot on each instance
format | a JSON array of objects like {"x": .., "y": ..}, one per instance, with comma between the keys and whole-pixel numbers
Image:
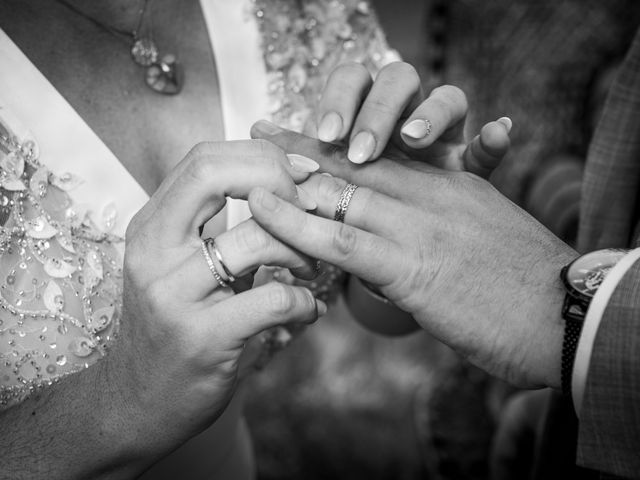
[{"x": 409, "y": 408}]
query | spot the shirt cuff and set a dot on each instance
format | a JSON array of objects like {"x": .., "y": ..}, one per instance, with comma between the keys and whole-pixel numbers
[{"x": 592, "y": 322}]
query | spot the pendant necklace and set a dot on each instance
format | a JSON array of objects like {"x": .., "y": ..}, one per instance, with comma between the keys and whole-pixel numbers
[{"x": 162, "y": 75}]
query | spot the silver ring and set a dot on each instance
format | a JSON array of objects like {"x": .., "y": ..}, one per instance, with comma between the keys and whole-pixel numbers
[
  {"x": 230, "y": 277},
  {"x": 343, "y": 202},
  {"x": 210, "y": 264}
]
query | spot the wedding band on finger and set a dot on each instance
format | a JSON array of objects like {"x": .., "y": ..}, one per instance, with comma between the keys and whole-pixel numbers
[
  {"x": 343, "y": 202},
  {"x": 230, "y": 277},
  {"x": 206, "y": 244}
]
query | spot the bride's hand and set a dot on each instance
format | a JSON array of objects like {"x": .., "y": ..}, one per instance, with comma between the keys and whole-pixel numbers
[
  {"x": 175, "y": 364},
  {"x": 391, "y": 115}
]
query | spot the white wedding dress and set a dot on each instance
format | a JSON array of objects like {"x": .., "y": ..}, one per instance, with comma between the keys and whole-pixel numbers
[{"x": 65, "y": 204}]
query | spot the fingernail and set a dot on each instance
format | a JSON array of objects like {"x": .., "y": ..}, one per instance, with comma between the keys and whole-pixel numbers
[
  {"x": 506, "y": 121},
  {"x": 268, "y": 201},
  {"x": 267, "y": 127},
  {"x": 330, "y": 127},
  {"x": 361, "y": 147},
  {"x": 326, "y": 174},
  {"x": 419, "y": 128},
  {"x": 321, "y": 308},
  {"x": 305, "y": 199},
  {"x": 303, "y": 164}
]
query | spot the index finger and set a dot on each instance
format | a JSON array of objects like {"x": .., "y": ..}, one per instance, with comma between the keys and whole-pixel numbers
[
  {"x": 382, "y": 175},
  {"x": 198, "y": 187},
  {"x": 350, "y": 248}
]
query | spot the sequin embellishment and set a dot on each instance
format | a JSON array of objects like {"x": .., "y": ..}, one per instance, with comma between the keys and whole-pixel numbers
[{"x": 61, "y": 288}]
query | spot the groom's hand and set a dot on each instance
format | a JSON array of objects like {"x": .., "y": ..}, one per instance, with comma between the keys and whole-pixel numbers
[{"x": 472, "y": 268}]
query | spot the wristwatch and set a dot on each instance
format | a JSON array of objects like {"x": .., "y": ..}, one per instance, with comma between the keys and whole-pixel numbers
[{"x": 581, "y": 279}]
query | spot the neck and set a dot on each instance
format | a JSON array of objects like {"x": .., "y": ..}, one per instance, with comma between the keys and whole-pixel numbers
[{"x": 120, "y": 14}]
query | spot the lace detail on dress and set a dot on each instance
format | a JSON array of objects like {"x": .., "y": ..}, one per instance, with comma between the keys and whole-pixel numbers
[
  {"x": 303, "y": 41},
  {"x": 60, "y": 290}
]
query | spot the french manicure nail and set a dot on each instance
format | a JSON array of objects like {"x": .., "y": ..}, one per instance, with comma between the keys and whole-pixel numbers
[
  {"x": 330, "y": 127},
  {"x": 302, "y": 164},
  {"x": 417, "y": 129},
  {"x": 361, "y": 147},
  {"x": 305, "y": 199},
  {"x": 268, "y": 201},
  {"x": 321, "y": 308},
  {"x": 267, "y": 127},
  {"x": 506, "y": 121}
]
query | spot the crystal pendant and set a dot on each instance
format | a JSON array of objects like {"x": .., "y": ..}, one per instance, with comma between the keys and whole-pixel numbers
[
  {"x": 161, "y": 75},
  {"x": 165, "y": 76},
  {"x": 144, "y": 52}
]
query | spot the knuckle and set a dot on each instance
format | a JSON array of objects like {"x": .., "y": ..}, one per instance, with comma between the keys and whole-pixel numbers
[
  {"x": 270, "y": 157},
  {"x": 273, "y": 164},
  {"x": 440, "y": 103},
  {"x": 329, "y": 189},
  {"x": 469, "y": 182},
  {"x": 251, "y": 238},
  {"x": 153, "y": 295},
  {"x": 344, "y": 240},
  {"x": 266, "y": 148},
  {"x": 202, "y": 166},
  {"x": 351, "y": 69},
  {"x": 281, "y": 300},
  {"x": 380, "y": 106},
  {"x": 348, "y": 78},
  {"x": 452, "y": 95},
  {"x": 397, "y": 71},
  {"x": 199, "y": 149}
]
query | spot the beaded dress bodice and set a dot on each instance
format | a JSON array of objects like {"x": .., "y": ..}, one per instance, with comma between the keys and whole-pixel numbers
[
  {"x": 60, "y": 274},
  {"x": 60, "y": 267}
]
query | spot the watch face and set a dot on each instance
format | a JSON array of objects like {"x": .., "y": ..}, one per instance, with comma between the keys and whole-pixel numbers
[{"x": 586, "y": 273}]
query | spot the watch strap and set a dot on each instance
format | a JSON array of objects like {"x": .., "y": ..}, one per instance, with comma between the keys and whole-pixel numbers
[{"x": 572, "y": 329}]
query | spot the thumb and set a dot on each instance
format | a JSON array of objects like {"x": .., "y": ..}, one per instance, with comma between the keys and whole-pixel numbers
[{"x": 485, "y": 152}]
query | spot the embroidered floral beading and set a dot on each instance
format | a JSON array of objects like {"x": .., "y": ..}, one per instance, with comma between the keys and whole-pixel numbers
[
  {"x": 60, "y": 295},
  {"x": 303, "y": 41}
]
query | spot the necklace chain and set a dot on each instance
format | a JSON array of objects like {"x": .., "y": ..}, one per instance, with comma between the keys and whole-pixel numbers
[
  {"x": 132, "y": 35},
  {"x": 162, "y": 75}
]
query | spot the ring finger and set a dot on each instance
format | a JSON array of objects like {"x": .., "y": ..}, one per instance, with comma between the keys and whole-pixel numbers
[
  {"x": 355, "y": 250},
  {"x": 363, "y": 209},
  {"x": 239, "y": 252}
]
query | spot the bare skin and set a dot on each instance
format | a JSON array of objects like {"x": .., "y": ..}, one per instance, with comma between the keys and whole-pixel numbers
[{"x": 94, "y": 71}]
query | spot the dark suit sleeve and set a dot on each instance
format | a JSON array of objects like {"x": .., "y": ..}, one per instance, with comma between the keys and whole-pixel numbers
[{"x": 609, "y": 428}]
